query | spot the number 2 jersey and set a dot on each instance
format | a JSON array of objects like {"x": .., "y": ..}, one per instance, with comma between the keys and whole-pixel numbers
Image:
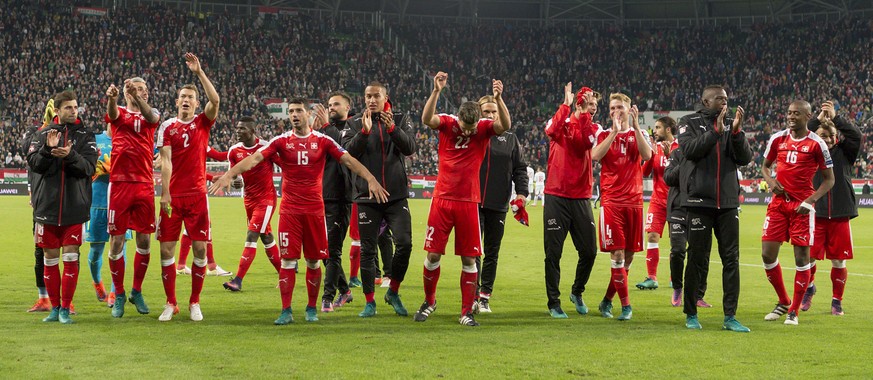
[{"x": 302, "y": 160}]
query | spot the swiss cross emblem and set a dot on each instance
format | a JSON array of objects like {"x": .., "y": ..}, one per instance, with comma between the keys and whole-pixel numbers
[
  {"x": 313, "y": 146},
  {"x": 630, "y": 139},
  {"x": 805, "y": 149},
  {"x": 289, "y": 146}
]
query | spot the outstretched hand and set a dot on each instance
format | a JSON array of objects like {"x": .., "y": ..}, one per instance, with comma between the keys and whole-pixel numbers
[
  {"x": 439, "y": 81},
  {"x": 193, "y": 63}
]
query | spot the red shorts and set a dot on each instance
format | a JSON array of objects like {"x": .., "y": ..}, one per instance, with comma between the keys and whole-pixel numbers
[
  {"x": 463, "y": 217},
  {"x": 302, "y": 232},
  {"x": 833, "y": 239},
  {"x": 193, "y": 211},
  {"x": 53, "y": 237},
  {"x": 259, "y": 216},
  {"x": 354, "y": 233},
  {"x": 131, "y": 206},
  {"x": 782, "y": 223},
  {"x": 621, "y": 228},
  {"x": 656, "y": 218}
]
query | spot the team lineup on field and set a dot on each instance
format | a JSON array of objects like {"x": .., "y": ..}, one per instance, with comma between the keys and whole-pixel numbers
[{"x": 345, "y": 175}]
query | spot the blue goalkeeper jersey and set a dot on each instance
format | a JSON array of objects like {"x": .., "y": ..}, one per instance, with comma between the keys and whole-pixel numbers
[{"x": 100, "y": 186}]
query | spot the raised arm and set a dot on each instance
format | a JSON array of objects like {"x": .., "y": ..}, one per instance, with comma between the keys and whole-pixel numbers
[
  {"x": 428, "y": 115},
  {"x": 112, "y": 102},
  {"x": 503, "y": 122},
  {"x": 602, "y": 147},
  {"x": 147, "y": 113},
  {"x": 642, "y": 140},
  {"x": 211, "y": 108},
  {"x": 376, "y": 190}
]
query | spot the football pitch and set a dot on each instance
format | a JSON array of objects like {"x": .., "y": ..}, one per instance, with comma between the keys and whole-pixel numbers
[{"x": 518, "y": 340}]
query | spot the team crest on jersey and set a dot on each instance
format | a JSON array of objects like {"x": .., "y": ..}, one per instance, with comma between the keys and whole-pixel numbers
[
  {"x": 783, "y": 146},
  {"x": 630, "y": 139},
  {"x": 289, "y": 146},
  {"x": 682, "y": 129},
  {"x": 313, "y": 146},
  {"x": 501, "y": 138},
  {"x": 805, "y": 148},
  {"x": 239, "y": 155}
]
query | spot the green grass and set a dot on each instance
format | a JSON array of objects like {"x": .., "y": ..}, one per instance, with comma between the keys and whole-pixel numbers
[{"x": 518, "y": 340}]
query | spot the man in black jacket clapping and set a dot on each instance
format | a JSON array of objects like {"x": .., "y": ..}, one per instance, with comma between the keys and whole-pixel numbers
[
  {"x": 714, "y": 146},
  {"x": 64, "y": 155}
]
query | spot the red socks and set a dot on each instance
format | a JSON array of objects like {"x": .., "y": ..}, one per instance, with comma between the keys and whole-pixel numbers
[
  {"x": 168, "y": 277},
  {"x": 52, "y": 276},
  {"x": 245, "y": 261},
  {"x": 184, "y": 250},
  {"x": 431, "y": 278},
  {"x": 801, "y": 282},
  {"x": 273, "y": 255},
  {"x": 619, "y": 281},
  {"x": 287, "y": 278},
  {"x": 210, "y": 255},
  {"x": 838, "y": 278},
  {"x": 116, "y": 269},
  {"x": 69, "y": 281},
  {"x": 355, "y": 258},
  {"x": 653, "y": 255},
  {"x": 140, "y": 266},
  {"x": 774, "y": 275},
  {"x": 313, "y": 285},
  {"x": 394, "y": 286},
  {"x": 468, "y": 288},
  {"x": 198, "y": 275}
]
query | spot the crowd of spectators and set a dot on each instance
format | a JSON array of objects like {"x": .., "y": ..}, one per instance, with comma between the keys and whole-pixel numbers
[{"x": 44, "y": 48}]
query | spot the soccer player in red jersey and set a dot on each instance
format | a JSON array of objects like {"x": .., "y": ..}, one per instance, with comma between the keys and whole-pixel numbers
[
  {"x": 259, "y": 198},
  {"x": 183, "y": 195},
  {"x": 463, "y": 141},
  {"x": 131, "y": 186},
  {"x": 833, "y": 234},
  {"x": 798, "y": 154},
  {"x": 64, "y": 154},
  {"x": 621, "y": 151},
  {"x": 665, "y": 129},
  {"x": 301, "y": 153},
  {"x": 568, "y": 191}
]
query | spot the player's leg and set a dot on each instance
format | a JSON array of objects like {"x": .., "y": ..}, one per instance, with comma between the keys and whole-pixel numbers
[
  {"x": 436, "y": 236},
  {"x": 468, "y": 245},
  {"x": 195, "y": 213},
  {"x": 290, "y": 249},
  {"x": 492, "y": 224},
  {"x": 354, "y": 249},
  {"x": 816, "y": 252},
  {"x": 613, "y": 236},
  {"x": 839, "y": 251},
  {"x": 582, "y": 231},
  {"x": 557, "y": 221},
  {"x": 51, "y": 273},
  {"x": 70, "y": 279},
  {"x": 727, "y": 231},
  {"x": 775, "y": 232},
  {"x": 184, "y": 251},
  {"x": 168, "y": 275},
  {"x": 143, "y": 217},
  {"x": 468, "y": 288},
  {"x": 654, "y": 227},
  {"x": 315, "y": 250},
  {"x": 333, "y": 212},
  {"x": 42, "y": 302},
  {"x": 118, "y": 221},
  {"x": 700, "y": 225},
  {"x": 400, "y": 229},
  {"x": 802, "y": 232},
  {"x": 386, "y": 253},
  {"x": 369, "y": 217},
  {"x": 678, "y": 243}
]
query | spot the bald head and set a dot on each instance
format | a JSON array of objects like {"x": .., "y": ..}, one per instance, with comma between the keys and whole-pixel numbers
[{"x": 802, "y": 105}]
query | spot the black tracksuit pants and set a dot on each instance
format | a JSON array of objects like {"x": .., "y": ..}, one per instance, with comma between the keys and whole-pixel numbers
[
  {"x": 336, "y": 216},
  {"x": 702, "y": 223},
  {"x": 492, "y": 224},
  {"x": 370, "y": 216},
  {"x": 560, "y": 217},
  {"x": 678, "y": 244}
]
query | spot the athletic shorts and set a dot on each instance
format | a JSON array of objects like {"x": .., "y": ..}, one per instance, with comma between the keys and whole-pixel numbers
[
  {"x": 354, "y": 232},
  {"x": 259, "y": 216},
  {"x": 621, "y": 228},
  {"x": 463, "y": 217},
  {"x": 833, "y": 239},
  {"x": 191, "y": 210},
  {"x": 131, "y": 206},
  {"x": 52, "y": 237},
  {"x": 782, "y": 223},
  {"x": 302, "y": 232},
  {"x": 656, "y": 218},
  {"x": 96, "y": 229}
]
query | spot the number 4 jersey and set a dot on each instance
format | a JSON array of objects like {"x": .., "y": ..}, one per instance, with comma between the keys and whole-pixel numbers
[{"x": 302, "y": 160}]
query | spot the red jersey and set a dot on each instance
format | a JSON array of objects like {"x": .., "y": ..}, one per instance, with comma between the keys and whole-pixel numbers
[
  {"x": 797, "y": 161},
  {"x": 655, "y": 167},
  {"x": 570, "y": 172},
  {"x": 621, "y": 173},
  {"x": 460, "y": 158},
  {"x": 133, "y": 144},
  {"x": 259, "y": 179},
  {"x": 302, "y": 160},
  {"x": 188, "y": 142}
]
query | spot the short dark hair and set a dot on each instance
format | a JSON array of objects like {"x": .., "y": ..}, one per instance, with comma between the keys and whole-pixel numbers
[
  {"x": 64, "y": 96},
  {"x": 668, "y": 122},
  {"x": 469, "y": 112},
  {"x": 340, "y": 94},
  {"x": 712, "y": 87},
  {"x": 298, "y": 100},
  {"x": 188, "y": 86},
  {"x": 246, "y": 119},
  {"x": 378, "y": 84}
]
